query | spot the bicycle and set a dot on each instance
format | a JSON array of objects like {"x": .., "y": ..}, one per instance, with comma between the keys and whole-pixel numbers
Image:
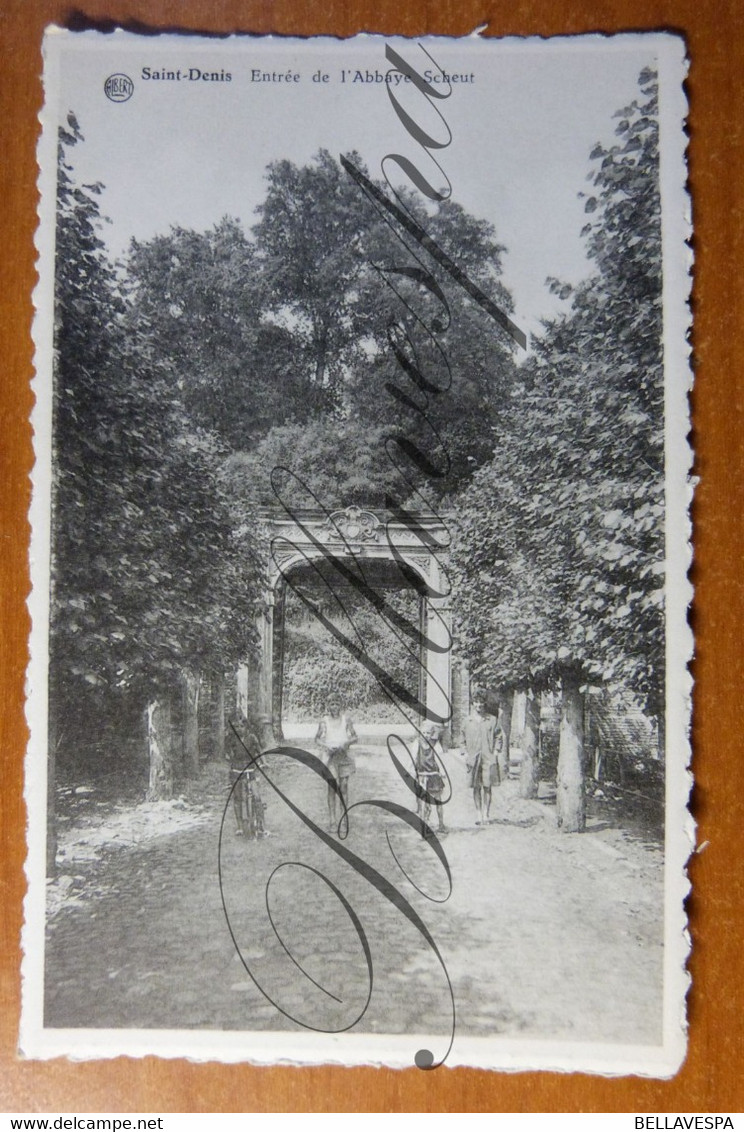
[
  {"x": 431, "y": 781},
  {"x": 248, "y": 804}
]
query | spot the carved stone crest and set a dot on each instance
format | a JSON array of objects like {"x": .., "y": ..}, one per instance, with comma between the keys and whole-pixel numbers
[{"x": 352, "y": 524}]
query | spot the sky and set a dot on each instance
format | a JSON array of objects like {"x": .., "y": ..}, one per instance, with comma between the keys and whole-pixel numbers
[{"x": 523, "y": 118}]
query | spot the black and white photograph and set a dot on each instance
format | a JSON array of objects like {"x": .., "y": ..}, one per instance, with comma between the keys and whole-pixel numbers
[{"x": 359, "y": 694}]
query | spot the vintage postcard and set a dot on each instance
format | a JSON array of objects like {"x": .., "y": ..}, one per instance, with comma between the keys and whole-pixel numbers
[{"x": 359, "y": 698}]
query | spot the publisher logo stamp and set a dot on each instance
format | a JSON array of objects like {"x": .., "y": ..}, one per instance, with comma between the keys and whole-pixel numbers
[{"x": 119, "y": 88}]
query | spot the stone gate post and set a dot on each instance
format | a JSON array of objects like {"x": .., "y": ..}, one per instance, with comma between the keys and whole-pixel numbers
[{"x": 438, "y": 663}]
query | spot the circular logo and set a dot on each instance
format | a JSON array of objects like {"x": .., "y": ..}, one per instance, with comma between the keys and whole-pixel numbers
[{"x": 119, "y": 88}]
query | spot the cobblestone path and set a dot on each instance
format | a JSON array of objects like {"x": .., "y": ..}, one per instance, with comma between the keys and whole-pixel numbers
[{"x": 543, "y": 935}]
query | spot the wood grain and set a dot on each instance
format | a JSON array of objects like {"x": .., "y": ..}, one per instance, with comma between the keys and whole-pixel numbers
[{"x": 711, "y": 1079}]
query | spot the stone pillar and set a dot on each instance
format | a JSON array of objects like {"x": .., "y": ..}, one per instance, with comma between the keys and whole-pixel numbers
[
  {"x": 438, "y": 683},
  {"x": 266, "y": 671},
  {"x": 423, "y": 658},
  {"x": 243, "y": 690},
  {"x": 277, "y": 660}
]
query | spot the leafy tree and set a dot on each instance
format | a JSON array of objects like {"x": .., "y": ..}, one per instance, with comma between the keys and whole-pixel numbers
[
  {"x": 90, "y": 354},
  {"x": 297, "y": 324},
  {"x": 196, "y": 296},
  {"x": 151, "y": 581},
  {"x": 437, "y": 366},
  {"x": 342, "y": 462},
  {"x": 560, "y": 558},
  {"x": 358, "y": 301},
  {"x": 310, "y": 242},
  {"x": 609, "y": 348}
]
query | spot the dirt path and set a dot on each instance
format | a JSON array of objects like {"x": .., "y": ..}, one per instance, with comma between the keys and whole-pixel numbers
[{"x": 543, "y": 935}]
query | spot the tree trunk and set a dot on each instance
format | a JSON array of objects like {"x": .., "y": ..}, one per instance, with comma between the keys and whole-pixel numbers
[
  {"x": 160, "y": 748},
  {"x": 219, "y": 716},
  {"x": 459, "y": 712},
  {"x": 191, "y": 684},
  {"x": 529, "y": 772},
  {"x": 505, "y": 719},
  {"x": 570, "y": 800}
]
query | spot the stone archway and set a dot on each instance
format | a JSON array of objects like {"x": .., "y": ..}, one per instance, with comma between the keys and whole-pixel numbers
[{"x": 360, "y": 542}]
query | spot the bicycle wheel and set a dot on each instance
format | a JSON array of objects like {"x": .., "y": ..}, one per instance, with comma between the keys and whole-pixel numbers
[
  {"x": 258, "y": 814},
  {"x": 248, "y": 823},
  {"x": 254, "y": 809},
  {"x": 240, "y": 802}
]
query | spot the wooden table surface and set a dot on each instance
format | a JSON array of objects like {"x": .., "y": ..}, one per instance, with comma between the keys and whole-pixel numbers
[{"x": 712, "y": 1077}]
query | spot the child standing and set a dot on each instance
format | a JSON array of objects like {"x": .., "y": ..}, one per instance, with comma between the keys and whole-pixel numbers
[
  {"x": 336, "y": 734},
  {"x": 429, "y": 774}
]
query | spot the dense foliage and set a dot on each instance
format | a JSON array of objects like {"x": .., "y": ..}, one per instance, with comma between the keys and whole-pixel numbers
[
  {"x": 560, "y": 555},
  {"x": 153, "y": 572},
  {"x": 316, "y": 339},
  {"x": 316, "y": 664}
]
